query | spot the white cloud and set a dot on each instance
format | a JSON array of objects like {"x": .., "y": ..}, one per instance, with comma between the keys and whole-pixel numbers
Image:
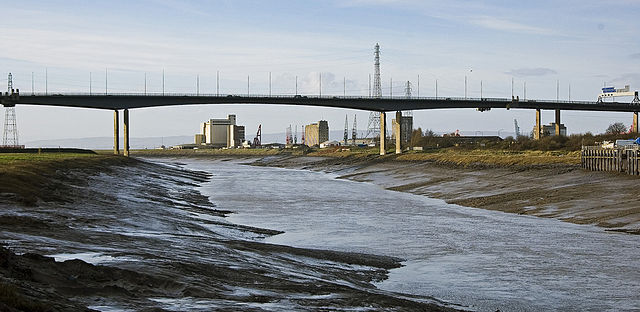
[
  {"x": 528, "y": 72},
  {"x": 495, "y": 23}
]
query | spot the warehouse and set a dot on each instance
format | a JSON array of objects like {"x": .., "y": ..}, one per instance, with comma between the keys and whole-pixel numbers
[{"x": 221, "y": 133}]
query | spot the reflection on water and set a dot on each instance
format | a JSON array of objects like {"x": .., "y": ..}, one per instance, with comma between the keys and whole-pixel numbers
[{"x": 483, "y": 259}]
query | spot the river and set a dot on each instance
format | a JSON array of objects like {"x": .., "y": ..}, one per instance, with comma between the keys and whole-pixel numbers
[{"x": 485, "y": 260}]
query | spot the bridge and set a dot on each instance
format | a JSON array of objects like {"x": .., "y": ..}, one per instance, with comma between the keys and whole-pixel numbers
[{"x": 383, "y": 105}]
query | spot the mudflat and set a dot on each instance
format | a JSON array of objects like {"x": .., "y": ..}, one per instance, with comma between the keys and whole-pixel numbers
[{"x": 113, "y": 233}]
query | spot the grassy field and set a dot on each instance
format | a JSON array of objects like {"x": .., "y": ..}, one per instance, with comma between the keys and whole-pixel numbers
[
  {"x": 18, "y": 158},
  {"x": 29, "y": 176},
  {"x": 495, "y": 157},
  {"x": 465, "y": 157},
  {"x": 452, "y": 156}
]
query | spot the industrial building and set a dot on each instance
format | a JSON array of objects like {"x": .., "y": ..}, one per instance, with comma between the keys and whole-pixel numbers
[
  {"x": 221, "y": 133},
  {"x": 406, "y": 128},
  {"x": 550, "y": 129},
  {"x": 316, "y": 133}
]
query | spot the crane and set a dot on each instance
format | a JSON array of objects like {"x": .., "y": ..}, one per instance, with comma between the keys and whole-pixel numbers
[{"x": 257, "y": 141}]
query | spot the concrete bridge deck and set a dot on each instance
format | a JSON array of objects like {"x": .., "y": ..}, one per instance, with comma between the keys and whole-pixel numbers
[{"x": 384, "y": 104}]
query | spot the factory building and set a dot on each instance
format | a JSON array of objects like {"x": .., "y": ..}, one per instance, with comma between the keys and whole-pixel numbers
[
  {"x": 221, "y": 133},
  {"x": 550, "y": 129},
  {"x": 316, "y": 133},
  {"x": 406, "y": 128}
]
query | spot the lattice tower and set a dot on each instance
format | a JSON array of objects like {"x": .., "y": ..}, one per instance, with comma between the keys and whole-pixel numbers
[
  {"x": 10, "y": 136},
  {"x": 407, "y": 93},
  {"x": 373, "y": 129},
  {"x": 346, "y": 129},
  {"x": 354, "y": 131}
]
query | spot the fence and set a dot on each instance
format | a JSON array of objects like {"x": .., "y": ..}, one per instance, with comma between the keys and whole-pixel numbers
[{"x": 624, "y": 159}]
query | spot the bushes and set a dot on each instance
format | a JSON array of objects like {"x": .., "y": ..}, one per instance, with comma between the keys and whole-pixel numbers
[{"x": 573, "y": 142}]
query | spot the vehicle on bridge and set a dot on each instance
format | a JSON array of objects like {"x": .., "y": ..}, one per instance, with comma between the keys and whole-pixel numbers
[{"x": 612, "y": 92}]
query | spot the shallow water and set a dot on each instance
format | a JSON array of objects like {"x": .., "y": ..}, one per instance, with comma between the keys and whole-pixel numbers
[{"x": 486, "y": 260}]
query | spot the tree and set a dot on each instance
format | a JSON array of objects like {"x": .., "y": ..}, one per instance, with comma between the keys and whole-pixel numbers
[
  {"x": 616, "y": 128},
  {"x": 429, "y": 133},
  {"x": 416, "y": 137}
]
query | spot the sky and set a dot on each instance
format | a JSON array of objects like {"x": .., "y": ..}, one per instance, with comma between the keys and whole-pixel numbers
[{"x": 72, "y": 46}]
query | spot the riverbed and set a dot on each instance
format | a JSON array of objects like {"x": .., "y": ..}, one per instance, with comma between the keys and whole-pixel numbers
[
  {"x": 118, "y": 234},
  {"x": 485, "y": 260}
]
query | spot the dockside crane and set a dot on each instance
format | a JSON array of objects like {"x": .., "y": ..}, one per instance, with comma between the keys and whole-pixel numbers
[
  {"x": 257, "y": 141},
  {"x": 346, "y": 129},
  {"x": 354, "y": 131}
]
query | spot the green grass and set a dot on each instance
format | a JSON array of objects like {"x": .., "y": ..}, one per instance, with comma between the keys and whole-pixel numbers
[
  {"x": 462, "y": 156},
  {"x": 504, "y": 158},
  {"x": 31, "y": 176},
  {"x": 10, "y": 158},
  {"x": 453, "y": 155}
]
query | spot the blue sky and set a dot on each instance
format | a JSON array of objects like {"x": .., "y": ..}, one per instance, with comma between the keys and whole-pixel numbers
[{"x": 581, "y": 43}]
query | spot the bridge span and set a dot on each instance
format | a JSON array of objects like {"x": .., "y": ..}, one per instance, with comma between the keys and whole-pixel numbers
[{"x": 383, "y": 105}]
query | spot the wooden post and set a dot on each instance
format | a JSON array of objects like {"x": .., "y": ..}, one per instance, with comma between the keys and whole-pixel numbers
[{"x": 635, "y": 162}]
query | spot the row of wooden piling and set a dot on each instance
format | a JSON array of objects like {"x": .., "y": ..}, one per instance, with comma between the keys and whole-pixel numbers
[{"x": 596, "y": 158}]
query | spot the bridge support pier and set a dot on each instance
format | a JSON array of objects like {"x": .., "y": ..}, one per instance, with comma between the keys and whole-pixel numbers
[
  {"x": 557, "y": 122},
  {"x": 538, "y": 128},
  {"x": 126, "y": 132},
  {"x": 383, "y": 131},
  {"x": 635, "y": 123},
  {"x": 116, "y": 133},
  {"x": 397, "y": 127}
]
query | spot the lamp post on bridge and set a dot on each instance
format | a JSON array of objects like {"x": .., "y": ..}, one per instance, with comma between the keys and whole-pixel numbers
[
  {"x": 466, "y": 83},
  {"x": 465, "y": 87}
]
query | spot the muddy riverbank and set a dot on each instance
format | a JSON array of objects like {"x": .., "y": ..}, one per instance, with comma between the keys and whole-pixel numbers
[
  {"x": 561, "y": 191},
  {"x": 112, "y": 233}
]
